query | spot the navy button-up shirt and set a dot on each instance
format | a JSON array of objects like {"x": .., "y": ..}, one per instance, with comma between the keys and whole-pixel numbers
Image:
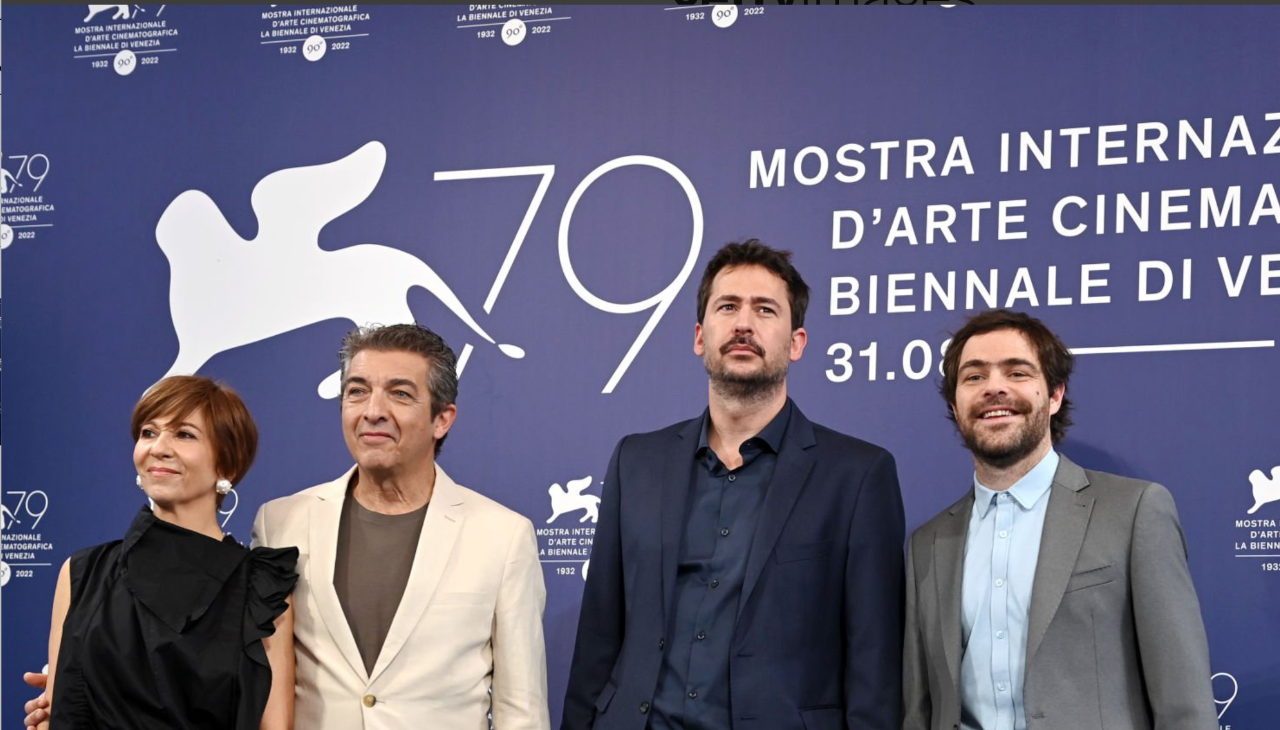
[{"x": 720, "y": 520}]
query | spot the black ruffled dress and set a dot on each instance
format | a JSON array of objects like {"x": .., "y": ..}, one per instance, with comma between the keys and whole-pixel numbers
[{"x": 165, "y": 631}]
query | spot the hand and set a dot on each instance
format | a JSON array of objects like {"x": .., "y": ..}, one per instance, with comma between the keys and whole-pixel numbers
[{"x": 37, "y": 709}]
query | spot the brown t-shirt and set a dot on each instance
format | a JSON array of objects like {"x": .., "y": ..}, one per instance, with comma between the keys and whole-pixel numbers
[{"x": 375, "y": 555}]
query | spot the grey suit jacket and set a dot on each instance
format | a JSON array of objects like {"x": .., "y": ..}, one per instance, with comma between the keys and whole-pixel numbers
[{"x": 1114, "y": 634}]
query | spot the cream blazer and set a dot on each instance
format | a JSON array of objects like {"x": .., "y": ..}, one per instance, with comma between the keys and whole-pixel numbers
[{"x": 470, "y": 620}]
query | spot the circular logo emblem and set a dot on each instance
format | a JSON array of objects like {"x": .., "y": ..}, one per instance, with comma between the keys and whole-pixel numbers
[
  {"x": 513, "y": 32},
  {"x": 725, "y": 17},
  {"x": 314, "y": 47},
  {"x": 125, "y": 62},
  {"x": 6, "y": 235},
  {"x": 4, "y": 573}
]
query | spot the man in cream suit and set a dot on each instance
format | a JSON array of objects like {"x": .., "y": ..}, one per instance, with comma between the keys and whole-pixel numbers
[
  {"x": 1049, "y": 596},
  {"x": 416, "y": 595}
]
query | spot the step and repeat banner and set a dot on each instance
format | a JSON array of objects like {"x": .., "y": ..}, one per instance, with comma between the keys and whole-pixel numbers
[{"x": 227, "y": 191}]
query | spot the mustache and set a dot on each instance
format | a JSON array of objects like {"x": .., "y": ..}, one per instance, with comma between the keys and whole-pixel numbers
[
  {"x": 742, "y": 340},
  {"x": 1015, "y": 404}
]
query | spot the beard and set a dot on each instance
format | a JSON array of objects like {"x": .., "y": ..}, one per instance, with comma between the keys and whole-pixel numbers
[
  {"x": 751, "y": 387},
  {"x": 1005, "y": 449}
]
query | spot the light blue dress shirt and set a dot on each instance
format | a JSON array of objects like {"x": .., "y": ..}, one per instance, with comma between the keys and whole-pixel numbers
[{"x": 999, "y": 568}]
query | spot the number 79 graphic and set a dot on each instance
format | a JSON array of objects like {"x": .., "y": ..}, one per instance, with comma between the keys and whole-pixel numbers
[{"x": 658, "y": 303}]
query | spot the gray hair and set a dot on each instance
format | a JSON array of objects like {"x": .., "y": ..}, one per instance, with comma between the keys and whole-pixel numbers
[{"x": 442, "y": 363}]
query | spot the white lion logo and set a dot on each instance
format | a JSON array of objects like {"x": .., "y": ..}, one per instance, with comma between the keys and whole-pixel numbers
[
  {"x": 1265, "y": 490},
  {"x": 225, "y": 292},
  {"x": 122, "y": 12},
  {"x": 565, "y": 500}
]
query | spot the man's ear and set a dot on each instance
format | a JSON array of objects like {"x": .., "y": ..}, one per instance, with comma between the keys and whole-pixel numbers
[{"x": 1055, "y": 398}]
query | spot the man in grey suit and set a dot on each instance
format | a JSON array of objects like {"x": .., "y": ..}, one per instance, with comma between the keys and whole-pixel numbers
[{"x": 1049, "y": 596}]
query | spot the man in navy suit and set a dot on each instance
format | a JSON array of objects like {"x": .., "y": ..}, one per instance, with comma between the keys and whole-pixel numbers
[{"x": 747, "y": 571}]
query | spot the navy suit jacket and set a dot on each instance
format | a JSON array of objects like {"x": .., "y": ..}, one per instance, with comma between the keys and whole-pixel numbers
[{"x": 818, "y": 640}]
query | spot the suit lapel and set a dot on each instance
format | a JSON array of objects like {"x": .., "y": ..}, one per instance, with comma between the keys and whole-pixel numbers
[
  {"x": 435, "y": 544},
  {"x": 790, "y": 472},
  {"x": 1065, "y": 522},
  {"x": 326, "y": 513},
  {"x": 675, "y": 493},
  {"x": 949, "y": 543}
]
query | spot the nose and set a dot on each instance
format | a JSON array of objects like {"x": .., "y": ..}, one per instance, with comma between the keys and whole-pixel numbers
[
  {"x": 162, "y": 445},
  {"x": 743, "y": 323},
  {"x": 995, "y": 385},
  {"x": 375, "y": 407}
]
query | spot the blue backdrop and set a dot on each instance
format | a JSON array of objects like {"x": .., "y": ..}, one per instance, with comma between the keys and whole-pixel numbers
[{"x": 561, "y": 177}]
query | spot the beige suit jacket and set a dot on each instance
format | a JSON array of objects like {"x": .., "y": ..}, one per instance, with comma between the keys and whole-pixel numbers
[{"x": 470, "y": 619}]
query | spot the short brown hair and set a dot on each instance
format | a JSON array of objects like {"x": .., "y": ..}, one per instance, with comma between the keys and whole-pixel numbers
[
  {"x": 232, "y": 432},
  {"x": 1056, "y": 361},
  {"x": 754, "y": 253}
]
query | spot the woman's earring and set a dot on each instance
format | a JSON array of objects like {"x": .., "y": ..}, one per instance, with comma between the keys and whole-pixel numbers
[
  {"x": 222, "y": 486},
  {"x": 138, "y": 480}
]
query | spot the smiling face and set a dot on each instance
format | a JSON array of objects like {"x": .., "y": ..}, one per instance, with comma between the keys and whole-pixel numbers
[
  {"x": 1003, "y": 403},
  {"x": 177, "y": 461},
  {"x": 386, "y": 413},
  {"x": 745, "y": 339}
]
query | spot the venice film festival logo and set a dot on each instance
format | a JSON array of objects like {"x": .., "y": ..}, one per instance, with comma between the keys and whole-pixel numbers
[
  {"x": 284, "y": 281},
  {"x": 1265, "y": 489},
  {"x": 565, "y": 547}
]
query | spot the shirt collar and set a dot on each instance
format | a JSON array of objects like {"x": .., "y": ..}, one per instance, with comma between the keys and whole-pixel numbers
[
  {"x": 771, "y": 435},
  {"x": 1026, "y": 491}
]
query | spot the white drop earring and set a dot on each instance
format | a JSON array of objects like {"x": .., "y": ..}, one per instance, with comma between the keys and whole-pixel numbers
[
  {"x": 222, "y": 486},
  {"x": 138, "y": 480}
]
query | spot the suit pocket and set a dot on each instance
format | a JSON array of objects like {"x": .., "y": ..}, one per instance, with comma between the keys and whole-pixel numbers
[
  {"x": 460, "y": 599},
  {"x": 606, "y": 694},
  {"x": 1090, "y": 577},
  {"x": 790, "y": 553},
  {"x": 823, "y": 718}
]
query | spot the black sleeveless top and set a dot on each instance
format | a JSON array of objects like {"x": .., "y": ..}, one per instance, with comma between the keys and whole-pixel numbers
[{"x": 165, "y": 631}]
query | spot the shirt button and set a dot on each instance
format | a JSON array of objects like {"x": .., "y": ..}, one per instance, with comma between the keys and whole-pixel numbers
[
  {"x": 715, "y": 583},
  {"x": 644, "y": 708},
  {"x": 733, "y": 477},
  {"x": 1000, "y": 686},
  {"x": 999, "y": 582},
  {"x": 999, "y": 634},
  {"x": 370, "y": 700},
  {"x": 1004, "y": 533},
  {"x": 701, "y": 635},
  {"x": 693, "y": 694},
  {"x": 1004, "y": 496},
  {"x": 724, "y": 532}
]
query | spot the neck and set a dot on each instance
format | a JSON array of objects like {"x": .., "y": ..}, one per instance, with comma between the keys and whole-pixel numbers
[
  {"x": 195, "y": 517},
  {"x": 999, "y": 477},
  {"x": 734, "y": 420},
  {"x": 395, "y": 493}
]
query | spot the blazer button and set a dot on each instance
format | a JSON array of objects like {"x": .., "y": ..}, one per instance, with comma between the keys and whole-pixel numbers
[
  {"x": 644, "y": 708},
  {"x": 662, "y": 644},
  {"x": 370, "y": 700}
]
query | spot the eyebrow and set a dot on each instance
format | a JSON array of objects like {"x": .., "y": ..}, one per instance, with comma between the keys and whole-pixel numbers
[
  {"x": 394, "y": 382},
  {"x": 169, "y": 424},
  {"x": 1007, "y": 362},
  {"x": 734, "y": 298}
]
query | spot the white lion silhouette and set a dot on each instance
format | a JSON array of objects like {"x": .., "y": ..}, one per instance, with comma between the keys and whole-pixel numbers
[
  {"x": 122, "y": 12},
  {"x": 1265, "y": 490},
  {"x": 225, "y": 292},
  {"x": 565, "y": 500}
]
